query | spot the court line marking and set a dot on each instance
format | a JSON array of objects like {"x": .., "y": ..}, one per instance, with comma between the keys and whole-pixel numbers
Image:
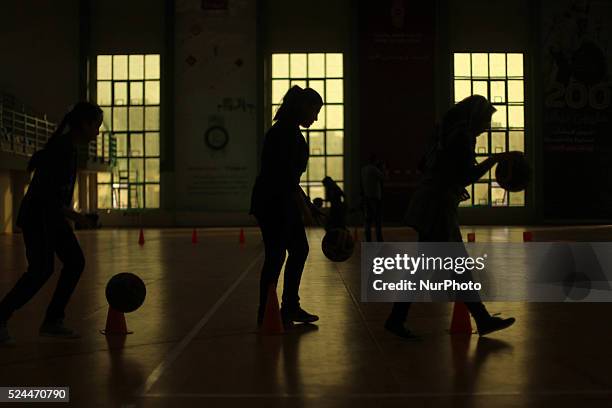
[
  {"x": 180, "y": 347},
  {"x": 551, "y": 393}
]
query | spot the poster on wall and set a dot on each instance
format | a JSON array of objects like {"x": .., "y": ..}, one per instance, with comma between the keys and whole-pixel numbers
[
  {"x": 215, "y": 113},
  {"x": 396, "y": 90},
  {"x": 577, "y": 114}
]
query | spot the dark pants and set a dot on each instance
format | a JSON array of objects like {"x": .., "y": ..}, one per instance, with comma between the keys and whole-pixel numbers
[
  {"x": 399, "y": 312},
  {"x": 373, "y": 214},
  {"x": 42, "y": 242},
  {"x": 281, "y": 237}
]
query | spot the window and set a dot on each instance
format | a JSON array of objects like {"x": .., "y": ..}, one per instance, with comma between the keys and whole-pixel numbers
[
  {"x": 128, "y": 91},
  {"x": 323, "y": 73},
  {"x": 499, "y": 77}
]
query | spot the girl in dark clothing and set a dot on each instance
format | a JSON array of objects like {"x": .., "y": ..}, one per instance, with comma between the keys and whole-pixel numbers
[
  {"x": 448, "y": 168},
  {"x": 43, "y": 218},
  {"x": 279, "y": 203}
]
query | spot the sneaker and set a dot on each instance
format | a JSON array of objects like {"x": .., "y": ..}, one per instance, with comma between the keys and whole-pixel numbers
[
  {"x": 5, "y": 337},
  {"x": 493, "y": 324},
  {"x": 400, "y": 330},
  {"x": 298, "y": 315},
  {"x": 57, "y": 329}
]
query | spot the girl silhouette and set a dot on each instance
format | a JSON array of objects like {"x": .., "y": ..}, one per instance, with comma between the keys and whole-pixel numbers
[
  {"x": 448, "y": 168},
  {"x": 43, "y": 218},
  {"x": 279, "y": 203}
]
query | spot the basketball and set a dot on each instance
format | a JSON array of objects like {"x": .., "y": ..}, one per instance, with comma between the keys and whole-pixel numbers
[
  {"x": 338, "y": 245},
  {"x": 125, "y": 292},
  {"x": 513, "y": 173}
]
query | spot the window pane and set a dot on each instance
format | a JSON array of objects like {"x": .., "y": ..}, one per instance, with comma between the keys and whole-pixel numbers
[
  {"x": 280, "y": 65},
  {"x": 136, "y": 118},
  {"x": 121, "y": 93},
  {"x": 497, "y": 65},
  {"x": 152, "y": 118},
  {"x": 123, "y": 198},
  {"x": 120, "y": 67},
  {"x": 152, "y": 92},
  {"x": 463, "y": 89},
  {"x": 487, "y": 175},
  {"x": 517, "y": 199},
  {"x": 104, "y": 196},
  {"x": 136, "y": 170},
  {"x": 119, "y": 119},
  {"x": 516, "y": 116},
  {"x": 316, "y": 65},
  {"x": 316, "y": 168},
  {"x": 103, "y": 177},
  {"x": 334, "y": 91},
  {"x": 317, "y": 191},
  {"x": 335, "y": 142},
  {"x": 499, "y": 117},
  {"x": 515, "y": 91},
  {"x": 136, "y": 90},
  {"x": 335, "y": 168},
  {"x": 104, "y": 94},
  {"x": 297, "y": 65},
  {"x": 480, "y": 65},
  {"x": 517, "y": 141},
  {"x": 121, "y": 141},
  {"x": 136, "y": 145},
  {"x": 152, "y": 195},
  {"x": 481, "y": 194},
  {"x": 136, "y": 196},
  {"x": 515, "y": 65},
  {"x": 462, "y": 65},
  {"x": 136, "y": 66},
  {"x": 107, "y": 118},
  {"x": 279, "y": 89},
  {"x": 104, "y": 69},
  {"x": 335, "y": 116},
  {"x": 299, "y": 82},
  {"x": 481, "y": 88},
  {"x": 152, "y": 66},
  {"x": 152, "y": 144},
  {"x": 121, "y": 171},
  {"x": 316, "y": 143},
  {"x": 318, "y": 86},
  {"x": 498, "y": 92},
  {"x": 152, "y": 170},
  {"x": 482, "y": 144},
  {"x": 333, "y": 65},
  {"x": 274, "y": 109},
  {"x": 499, "y": 197},
  {"x": 498, "y": 142}
]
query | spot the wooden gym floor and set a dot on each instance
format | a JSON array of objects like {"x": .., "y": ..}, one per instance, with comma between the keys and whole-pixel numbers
[{"x": 195, "y": 343}]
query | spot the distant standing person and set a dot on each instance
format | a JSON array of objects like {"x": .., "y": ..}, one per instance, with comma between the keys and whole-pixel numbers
[
  {"x": 43, "y": 218},
  {"x": 372, "y": 177}
]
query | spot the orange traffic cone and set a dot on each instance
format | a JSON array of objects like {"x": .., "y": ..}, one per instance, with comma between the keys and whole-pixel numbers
[
  {"x": 141, "y": 240},
  {"x": 115, "y": 323},
  {"x": 194, "y": 236},
  {"x": 242, "y": 238},
  {"x": 471, "y": 237},
  {"x": 460, "y": 323},
  {"x": 272, "y": 322},
  {"x": 527, "y": 236}
]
